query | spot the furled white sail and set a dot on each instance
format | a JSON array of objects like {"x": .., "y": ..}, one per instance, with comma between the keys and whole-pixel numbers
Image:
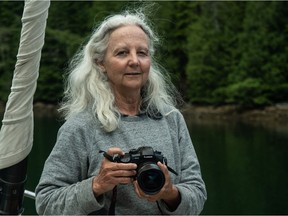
[{"x": 16, "y": 135}]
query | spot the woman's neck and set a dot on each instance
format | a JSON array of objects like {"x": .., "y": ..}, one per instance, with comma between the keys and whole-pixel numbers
[{"x": 128, "y": 104}]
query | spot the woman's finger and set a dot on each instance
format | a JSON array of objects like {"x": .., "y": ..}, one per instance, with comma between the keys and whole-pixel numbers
[{"x": 115, "y": 150}]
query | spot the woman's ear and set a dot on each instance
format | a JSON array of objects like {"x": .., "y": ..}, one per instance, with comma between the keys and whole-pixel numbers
[{"x": 100, "y": 64}]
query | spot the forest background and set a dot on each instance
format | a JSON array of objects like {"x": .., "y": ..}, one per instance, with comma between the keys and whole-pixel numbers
[{"x": 217, "y": 53}]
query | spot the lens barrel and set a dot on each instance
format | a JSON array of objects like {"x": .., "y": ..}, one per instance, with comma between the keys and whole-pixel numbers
[{"x": 150, "y": 178}]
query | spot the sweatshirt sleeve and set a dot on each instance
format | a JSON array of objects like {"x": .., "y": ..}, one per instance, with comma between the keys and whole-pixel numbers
[
  {"x": 61, "y": 189},
  {"x": 191, "y": 186}
]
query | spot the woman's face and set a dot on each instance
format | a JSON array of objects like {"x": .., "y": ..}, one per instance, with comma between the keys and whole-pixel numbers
[{"x": 127, "y": 59}]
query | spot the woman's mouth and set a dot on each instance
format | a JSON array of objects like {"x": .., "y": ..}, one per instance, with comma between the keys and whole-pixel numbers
[{"x": 133, "y": 73}]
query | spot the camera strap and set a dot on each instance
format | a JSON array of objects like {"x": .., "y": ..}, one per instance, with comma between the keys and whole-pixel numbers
[
  {"x": 107, "y": 156},
  {"x": 113, "y": 201},
  {"x": 171, "y": 170},
  {"x": 114, "y": 191}
]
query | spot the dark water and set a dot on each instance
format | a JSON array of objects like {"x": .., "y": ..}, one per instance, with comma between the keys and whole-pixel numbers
[
  {"x": 45, "y": 133},
  {"x": 244, "y": 166}
]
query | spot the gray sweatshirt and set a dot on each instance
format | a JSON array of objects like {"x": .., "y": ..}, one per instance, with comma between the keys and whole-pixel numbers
[{"x": 65, "y": 186}]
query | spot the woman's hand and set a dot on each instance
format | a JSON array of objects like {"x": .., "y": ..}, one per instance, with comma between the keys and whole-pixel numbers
[
  {"x": 169, "y": 193},
  {"x": 112, "y": 174}
]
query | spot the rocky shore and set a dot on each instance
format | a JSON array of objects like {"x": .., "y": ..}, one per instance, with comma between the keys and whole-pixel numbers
[
  {"x": 274, "y": 113},
  {"x": 277, "y": 113}
]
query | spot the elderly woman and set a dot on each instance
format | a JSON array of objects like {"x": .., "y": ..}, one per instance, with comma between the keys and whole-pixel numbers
[{"x": 117, "y": 99}]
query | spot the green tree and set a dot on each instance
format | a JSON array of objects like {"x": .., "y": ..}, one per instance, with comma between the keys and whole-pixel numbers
[
  {"x": 263, "y": 55},
  {"x": 212, "y": 41},
  {"x": 173, "y": 20},
  {"x": 10, "y": 16},
  {"x": 215, "y": 52}
]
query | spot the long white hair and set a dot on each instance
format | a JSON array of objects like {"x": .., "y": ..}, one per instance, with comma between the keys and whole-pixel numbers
[{"x": 88, "y": 87}]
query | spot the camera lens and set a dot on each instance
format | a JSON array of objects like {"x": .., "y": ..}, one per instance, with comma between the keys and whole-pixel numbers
[{"x": 150, "y": 178}]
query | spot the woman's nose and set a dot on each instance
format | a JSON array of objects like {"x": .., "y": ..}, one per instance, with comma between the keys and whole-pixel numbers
[{"x": 134, "y": 60}]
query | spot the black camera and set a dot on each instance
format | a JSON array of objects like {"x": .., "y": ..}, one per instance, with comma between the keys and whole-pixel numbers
[{"x": 149, "y": 176}]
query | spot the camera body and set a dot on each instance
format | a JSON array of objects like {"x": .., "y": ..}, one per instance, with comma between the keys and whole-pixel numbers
[
  {"x": 149, "y": 176},
  {"x": 140, "y": 156}
]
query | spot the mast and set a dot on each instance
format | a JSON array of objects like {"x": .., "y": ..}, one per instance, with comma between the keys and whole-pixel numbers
[{"x": 16, "y": 135}]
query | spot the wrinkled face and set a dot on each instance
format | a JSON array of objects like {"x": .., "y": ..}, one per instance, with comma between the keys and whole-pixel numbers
[{"x": 127, "y": 59}]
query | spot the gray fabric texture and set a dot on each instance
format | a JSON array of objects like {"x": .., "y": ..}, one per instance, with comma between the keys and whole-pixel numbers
[
  {"x": 65, "y": 186},
  {"x": 16, "y": 134}
]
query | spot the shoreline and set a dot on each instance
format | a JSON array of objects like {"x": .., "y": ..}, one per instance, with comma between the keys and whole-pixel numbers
[
  {"x": 278, "y": 112},
  {"x": 274, "y": 118},
  {"x": 275, "y": 113}
]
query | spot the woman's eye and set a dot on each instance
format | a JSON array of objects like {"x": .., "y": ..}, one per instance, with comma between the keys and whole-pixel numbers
[
  {"x": 121, "y": 53},
  {"x": 143, "y": 53}
]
